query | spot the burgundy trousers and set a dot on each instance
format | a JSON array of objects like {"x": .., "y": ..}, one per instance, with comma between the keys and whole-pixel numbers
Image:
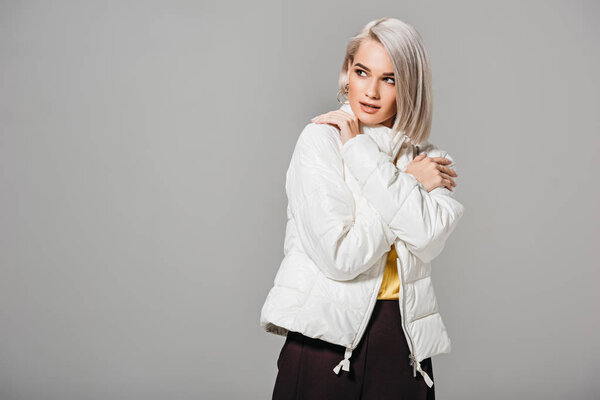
[{"x": 379, "y": 366}]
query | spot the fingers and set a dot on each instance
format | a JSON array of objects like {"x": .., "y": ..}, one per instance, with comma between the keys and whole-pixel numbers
[
  {"x": 448, "y": 184},
  {"x": 444, "y": 171},
  {"x": 327, "y": 119},
  {"x": 447, "y": 170},
  {"x": 443, "y": 168},
  {"x": 441, "y": 160},
  {"x": 337, "y": 116},
  {"x": 447, "y": 179}
]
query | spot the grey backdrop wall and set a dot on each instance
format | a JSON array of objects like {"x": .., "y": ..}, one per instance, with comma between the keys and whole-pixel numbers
[{"x": 143, "y": 150}]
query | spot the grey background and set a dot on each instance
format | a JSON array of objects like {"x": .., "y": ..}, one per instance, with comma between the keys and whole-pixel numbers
[{"x": 143, "y": 150}]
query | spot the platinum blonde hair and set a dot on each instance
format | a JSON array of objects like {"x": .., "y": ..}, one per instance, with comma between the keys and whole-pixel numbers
[{"x": 414, "y": 93}]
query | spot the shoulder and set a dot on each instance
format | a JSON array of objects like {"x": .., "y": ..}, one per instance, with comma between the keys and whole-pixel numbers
[
  {"x": 434, "y": 151},
  {"x": 313, "y": 133},
  {"x": 316, "y": 162},
  {"x": 320, "y": 139}
]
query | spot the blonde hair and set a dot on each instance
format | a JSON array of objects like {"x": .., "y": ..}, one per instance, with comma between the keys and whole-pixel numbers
[{"x": 414, "y": 93}]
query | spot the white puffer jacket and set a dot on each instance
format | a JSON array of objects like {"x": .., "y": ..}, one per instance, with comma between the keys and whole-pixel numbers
[{"x": 347, "y": 204}]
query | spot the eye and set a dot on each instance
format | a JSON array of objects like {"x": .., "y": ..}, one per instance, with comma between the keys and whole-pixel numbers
[
  {"x": 358, "y": 71},
  {"x": 393, "y": 81}
]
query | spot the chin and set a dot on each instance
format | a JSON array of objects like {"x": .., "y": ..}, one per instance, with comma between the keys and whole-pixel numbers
[{"x": 368, "y": 119}]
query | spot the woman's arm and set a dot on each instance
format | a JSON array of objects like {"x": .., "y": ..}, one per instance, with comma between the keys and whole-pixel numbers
[
  {"x": 344, "y": 238},
  {"x": 422, "y": 219}
]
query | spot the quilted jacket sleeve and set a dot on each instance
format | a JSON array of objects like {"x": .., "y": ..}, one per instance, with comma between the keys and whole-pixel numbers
[
  {"x": 421, "y": 219},
  {"x": 344, "y": 238}
]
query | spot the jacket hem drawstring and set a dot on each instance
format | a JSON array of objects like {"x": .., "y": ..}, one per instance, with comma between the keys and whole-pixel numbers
[
  {"x": 345, "y": 363},
  {"x": 417, "y": 367}
]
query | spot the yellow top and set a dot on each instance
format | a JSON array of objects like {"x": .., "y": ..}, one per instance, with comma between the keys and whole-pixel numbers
[{"x": 390, "y": 286}]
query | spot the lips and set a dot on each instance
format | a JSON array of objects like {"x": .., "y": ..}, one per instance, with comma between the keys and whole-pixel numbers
[
  {"x": 370, "y": 105},
  {"x": 368, "y": 109}
]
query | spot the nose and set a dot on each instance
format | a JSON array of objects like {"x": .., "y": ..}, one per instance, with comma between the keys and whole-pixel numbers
[{"x": 373, "y": 90}]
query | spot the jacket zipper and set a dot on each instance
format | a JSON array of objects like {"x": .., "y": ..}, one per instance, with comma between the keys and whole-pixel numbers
[
  {"x": 371, "y": 305},
  {"x": 382, "y": 263},
  {"x": 402, "y": 306}
]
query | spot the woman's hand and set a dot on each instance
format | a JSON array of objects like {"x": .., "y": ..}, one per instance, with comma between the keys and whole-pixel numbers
[
  {"x": 432, "y": 171},
  {"x": 347, "y": 123}
]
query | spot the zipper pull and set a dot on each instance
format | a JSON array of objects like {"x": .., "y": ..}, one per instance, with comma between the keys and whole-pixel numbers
[{"x": 413, "y": 362}]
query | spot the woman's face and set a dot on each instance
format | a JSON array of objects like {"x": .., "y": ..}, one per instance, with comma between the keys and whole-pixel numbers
[{"x": 371, "y": 81}]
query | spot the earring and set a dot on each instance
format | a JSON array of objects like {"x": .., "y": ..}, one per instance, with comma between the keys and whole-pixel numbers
[{"x": 345, "y": 93}]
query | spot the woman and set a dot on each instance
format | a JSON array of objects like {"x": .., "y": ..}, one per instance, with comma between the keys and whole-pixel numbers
[{"x": 370, "y": 205}]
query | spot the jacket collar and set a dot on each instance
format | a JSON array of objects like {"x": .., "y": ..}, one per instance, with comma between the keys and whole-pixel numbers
[{"x": 385, "y": 138}]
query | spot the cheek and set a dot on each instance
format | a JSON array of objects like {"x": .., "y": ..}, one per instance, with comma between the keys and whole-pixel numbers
[
  {"x": 352, "y": 87},
  {"x": 392, "y": 107},
  {"x": 391, "y": 102}
]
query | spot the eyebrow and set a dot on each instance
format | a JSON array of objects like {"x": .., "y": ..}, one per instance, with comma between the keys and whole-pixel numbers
[{"x": 362, "y": 66}]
